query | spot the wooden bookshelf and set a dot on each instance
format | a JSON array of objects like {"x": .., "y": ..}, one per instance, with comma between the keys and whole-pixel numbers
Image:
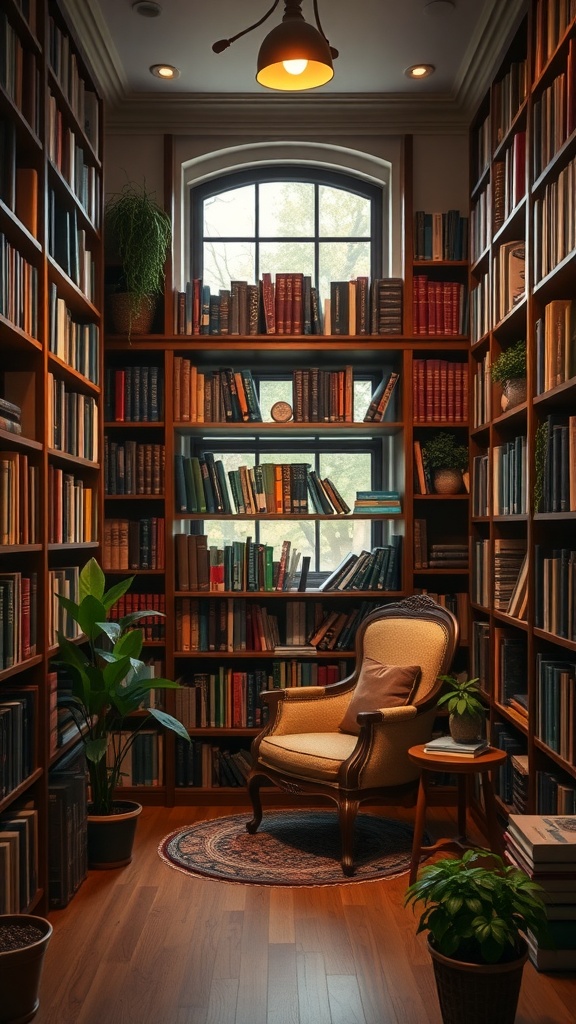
[
  {"x": 520, "y": 195},
  {"x": 50, "y": 216}
]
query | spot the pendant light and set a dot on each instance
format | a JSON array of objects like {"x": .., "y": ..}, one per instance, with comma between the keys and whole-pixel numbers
[{"x": 295, "y": 55}]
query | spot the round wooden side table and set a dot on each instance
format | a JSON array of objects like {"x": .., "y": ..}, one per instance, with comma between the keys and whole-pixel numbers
[{"x": 463, "y": 767}]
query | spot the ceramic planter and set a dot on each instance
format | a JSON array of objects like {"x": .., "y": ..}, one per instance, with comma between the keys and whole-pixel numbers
[
  {"x": 21, "y": 969},
  {"x": 447, "y": 481},
  {"x": 466, "y": 728},
  {"x": 111, "y": 836}
]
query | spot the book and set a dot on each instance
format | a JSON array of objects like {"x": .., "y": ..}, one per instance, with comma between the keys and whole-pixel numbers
[
  {"x": 445, "y": 745},
  {"x": 544, "y": 838}
]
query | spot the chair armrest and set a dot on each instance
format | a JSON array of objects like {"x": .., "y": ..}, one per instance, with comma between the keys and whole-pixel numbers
[
  {"x": 301, "y": 709},
  {"x": 400, "y": 714}
]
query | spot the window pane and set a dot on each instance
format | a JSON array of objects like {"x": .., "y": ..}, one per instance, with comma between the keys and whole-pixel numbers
[
  {"x": 342, "y": 261},
  {"x": 300, "y": 534},
  {"x": 228, "y": 261},
  {"x": 287, "y": 257},
  {"x": 225, "y": 531},
  {"x": 286, "y": 208},
  {"x": 231, "y": 214},
  {"x": 349, "y": 471},
  {"x": 343, "y": 213},
  {"x": 274, "y": 391},
  {"x": 362, "y": 398},
  {"x": 339, "y": 536}
]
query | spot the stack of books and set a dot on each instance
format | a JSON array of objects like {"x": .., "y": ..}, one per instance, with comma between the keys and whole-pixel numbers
[
  {"x": 448, "y": 747},
  {"x": 378, "y": 502},
  {"x": 448, "y": 556},
  {"x": 10, "y": 414},
  {"x": 544, "y": 846}
]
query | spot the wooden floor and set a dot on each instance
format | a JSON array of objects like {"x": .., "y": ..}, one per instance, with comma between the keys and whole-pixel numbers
[{"x": 149, "y": 945}]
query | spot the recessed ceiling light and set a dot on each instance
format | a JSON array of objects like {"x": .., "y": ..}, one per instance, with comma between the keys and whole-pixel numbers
[
  {"x": 165, "y": 71},
  {"x": 418, "y": 71},
  {"x": 147, "y": 8}
]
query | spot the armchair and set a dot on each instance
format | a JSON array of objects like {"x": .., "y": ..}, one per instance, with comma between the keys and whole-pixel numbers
[{"x": 348, "y": 741}]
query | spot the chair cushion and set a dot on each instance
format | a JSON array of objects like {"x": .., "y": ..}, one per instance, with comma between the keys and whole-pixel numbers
[
  {"x": 313, "y": 755},
  {"x": 379, "y": 686}
]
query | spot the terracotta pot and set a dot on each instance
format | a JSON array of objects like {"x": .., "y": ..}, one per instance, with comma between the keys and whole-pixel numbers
[
  {"x": 130, "y": 315},
  {"x": 513, "y": 393},
  {"x": 477, "y": 993},
  {"x": 111, "y": 836},
  {"x": 465, "y": 728},
  {"x": 447, "y": 481},
  {"x": 21, "y": 969}
]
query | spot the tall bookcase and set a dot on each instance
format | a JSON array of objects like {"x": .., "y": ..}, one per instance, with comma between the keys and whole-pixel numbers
[
  {"x": 523, "y": 161},
  {"x": 428, "y": 356},
  {"x": 50, "y": 439}
]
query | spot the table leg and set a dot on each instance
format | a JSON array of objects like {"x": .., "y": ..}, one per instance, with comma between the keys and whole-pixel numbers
[
  {"x": 418, "y": 826},
  {"x": 496, "y": 843}
]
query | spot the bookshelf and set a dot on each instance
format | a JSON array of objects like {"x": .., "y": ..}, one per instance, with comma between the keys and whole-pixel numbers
[
  {"x": 523, "y": 507},
  {"x": 229, "y": 633},
  {"x": 50, "y": 319}
]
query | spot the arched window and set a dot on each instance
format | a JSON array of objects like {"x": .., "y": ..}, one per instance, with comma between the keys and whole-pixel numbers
[{"x": 290, "y": 218}]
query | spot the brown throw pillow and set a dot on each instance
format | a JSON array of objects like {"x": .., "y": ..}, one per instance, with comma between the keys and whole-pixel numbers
[{"x": 379, "y": 686}]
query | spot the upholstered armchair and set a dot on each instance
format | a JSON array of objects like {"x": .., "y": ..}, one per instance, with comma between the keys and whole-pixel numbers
[{"x": 348, "y": 741}]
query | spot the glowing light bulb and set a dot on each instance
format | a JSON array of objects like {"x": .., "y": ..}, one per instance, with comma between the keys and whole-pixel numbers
[{"x": 295, "y": 67}]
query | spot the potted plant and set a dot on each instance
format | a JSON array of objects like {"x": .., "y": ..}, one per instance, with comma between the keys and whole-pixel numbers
[
  {"x": 109, "y": 685},
  {"x": 509, "y": 370},
  {"x": 461, "y": 699},
  {"x": 446, "y": 458},
  {"x": 139, "y": 232},
  {"x": 24, "y": 939},
  {"x": 476, "y": 909}
]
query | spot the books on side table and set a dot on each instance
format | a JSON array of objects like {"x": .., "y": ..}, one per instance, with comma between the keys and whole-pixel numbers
[{"x": 448, "y": 747}]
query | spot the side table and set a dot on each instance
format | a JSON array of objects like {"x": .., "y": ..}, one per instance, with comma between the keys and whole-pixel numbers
[{"x": 463, "y": 767}]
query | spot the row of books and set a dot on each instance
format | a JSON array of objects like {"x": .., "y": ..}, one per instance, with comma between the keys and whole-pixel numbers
[
  {"x": 239, "y": 566},
  {"x": 440, "y": 236},
  {"x": 19, "y": 498},
  {"x": 152, "y": 625},
  {"x": 18, "y": 858},
  {"x": 555, "y": 336},
  {"x": 265, "y": 489},
  {"x": 132, "y": 467},
  {"x": 497, "y": 572},
  {"x": 72, "y": 509},
  {"x": 224, "y": 395},
  {"x": 480, "y": 309},
  {"x": 555, "y": 591},
  {"x": 439, "y": 391},
  {"x": 76, "y": 343},
  {"x": 17, "y": 732},
  {"x": 554, "y": 793},
  {"x": 511, "y": 669},
  {"x": 508, "y": 95},
  {"x": 439, "y": 307},
  {"x": 207, "y": 765},
  {"x": 67, "y": 245},
  {"x": 72, "y": 422},
  {"x": 502, "y": 487},
  {"x": 134, "y": 543},
  {"x": 480, "y": 656},
  {"x": 18, "y": 183},
  {"x": 544, "y": 847},
  {"x": 437, "y": 554},
  {"x": 18, "y": 617},
  {"x": 554, "y": 114},
  {"x": 520, "y": 783},
  {"x": 338, "y": 628},
  {"x": 66, "y": 582},
  {"x": 378, "y": 569},
  {"x": 480, "y": 223},
  {"x": 226, "y": 698},
  {"x": 143, "y": 761},
  {"x": 513, "y": 743},
  {"x": 556, "y": 705},
  {"x": 18, "y": 73},
  {"x": 482, "y": 392},
  {"x": 80, "y": 96},
  {"x": 18, "y": 288},
  {"x": 66, "y": 153},
  {"x": 290, "y": 304},
  {"x": 552, "y": 19},
  {"x": 134, "y": 394},
  {"x": 67, "y": 828},
  {"x": 554, "y": 222},
  {"x": 10, "y": 416},
  {"x": 559, "y": 471}
]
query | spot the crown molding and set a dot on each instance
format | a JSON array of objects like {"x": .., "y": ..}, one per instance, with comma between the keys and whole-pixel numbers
[{"x": 305, "y": 115}]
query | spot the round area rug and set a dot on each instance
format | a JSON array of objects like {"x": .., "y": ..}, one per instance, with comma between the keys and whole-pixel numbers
[{"x": 290, "y": 848}]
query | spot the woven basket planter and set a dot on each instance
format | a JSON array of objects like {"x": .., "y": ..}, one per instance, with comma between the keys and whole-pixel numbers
[{"x": 132, "y": 315}]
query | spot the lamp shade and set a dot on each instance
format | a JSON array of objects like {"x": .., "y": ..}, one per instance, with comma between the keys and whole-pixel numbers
[{"x": 294, "y": 40}]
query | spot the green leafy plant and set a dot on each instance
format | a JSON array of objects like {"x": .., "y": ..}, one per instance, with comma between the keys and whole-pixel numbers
[
  {"x": 109, "y": 682},
  {"x": 476, "y": 907},
  {"x": 540, "y": 449},
  {"x": 461, "y": 696},
  {"x": 442, "y": 451},
  {"x": 139, "y": 231},
  {"x": 510, "y": 364}
]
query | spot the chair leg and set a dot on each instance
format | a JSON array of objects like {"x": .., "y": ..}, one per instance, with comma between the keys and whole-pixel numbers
[
  {"x": 255, "y": 780},
  {"x": 347, "y": 811}
]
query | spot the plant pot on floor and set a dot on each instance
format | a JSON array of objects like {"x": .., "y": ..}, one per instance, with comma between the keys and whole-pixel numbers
[
  {"x": 477, "y": 993},
  {"x": 111, "y": 836},
  {"x": 21, "y": 967}
]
